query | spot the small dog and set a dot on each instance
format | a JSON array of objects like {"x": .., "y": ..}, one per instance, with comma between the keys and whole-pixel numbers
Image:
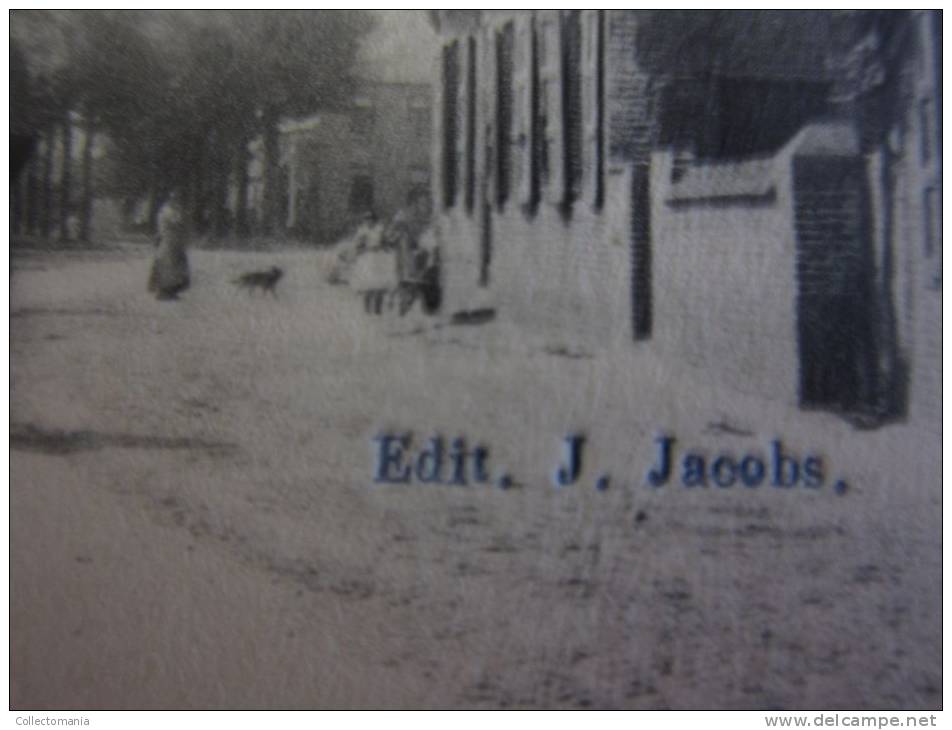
[{"x": 267, "y": 281}]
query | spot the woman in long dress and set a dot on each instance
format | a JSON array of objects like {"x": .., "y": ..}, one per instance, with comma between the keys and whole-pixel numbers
[{"x": 170, "y": 275}]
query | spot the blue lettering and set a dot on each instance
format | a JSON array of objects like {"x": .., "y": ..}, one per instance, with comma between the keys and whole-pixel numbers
[{"x": 390, "y": 454}]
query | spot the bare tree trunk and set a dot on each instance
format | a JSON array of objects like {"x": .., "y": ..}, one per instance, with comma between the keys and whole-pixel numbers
[
  {"x": 217, "y": 199},
  {"x": 32, "y": 202},
  {"x": 196, "y": 204},
  {"x": 241, "y": 205},
  {"x": 86, "y": 211},
  {"x": 16, "y": 205},
  {"x": 157, "y": 192},
  {"x": 223, "y": 221},
  {"x": 154, "y": 194},
  {"x": 46, "y": 213},
  {"x": 66, "y": 177},
  {"x": 217, "y": 180}
]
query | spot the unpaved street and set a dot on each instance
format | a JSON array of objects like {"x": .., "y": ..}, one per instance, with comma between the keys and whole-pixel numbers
[{"x": 195, "y": 524}]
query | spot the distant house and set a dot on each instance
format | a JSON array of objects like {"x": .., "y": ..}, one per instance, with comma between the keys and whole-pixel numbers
[
  {"x": 752, "y": 194},
  {"x": 368, "y": 157}
]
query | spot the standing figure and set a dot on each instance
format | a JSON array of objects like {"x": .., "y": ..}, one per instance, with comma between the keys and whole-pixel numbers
[
  {"x": 404, "y": 232},
  {"x": 415, "y": 266},
  {"x": 170, "y": 275}
]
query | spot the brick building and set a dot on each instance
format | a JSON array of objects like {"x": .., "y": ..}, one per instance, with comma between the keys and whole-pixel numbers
[
  {"x": 370, "y": 156},
  {"x": 726, "y": 188}
]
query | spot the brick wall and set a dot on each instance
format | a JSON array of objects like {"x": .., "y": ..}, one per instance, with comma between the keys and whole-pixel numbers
[
  {"x": 713, "y": 283},
  {"x": 629, "y": 92}
]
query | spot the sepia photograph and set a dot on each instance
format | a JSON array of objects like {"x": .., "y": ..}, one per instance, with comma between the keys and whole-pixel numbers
[{"x": 476, "y": 360}]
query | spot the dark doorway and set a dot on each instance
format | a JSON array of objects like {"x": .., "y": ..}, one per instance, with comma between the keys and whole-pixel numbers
[
  {"x": 361, "y": 194},
  {"x": 835, "y": 295}
]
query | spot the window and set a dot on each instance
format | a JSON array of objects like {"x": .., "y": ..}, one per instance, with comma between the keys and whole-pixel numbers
[
  {"x": 450, "y": 121},
  {"x": 547, "y": 142},
  {"x": 543, "y": 40},
  {"x": 470, "y": 124},
  {"x": 547, "y": 118},
  {"x": 504, "y": 48},
  {"x": 593, "y": 88},
  {"x": 599, "y": 109},
  {"x": 361, "y": 193},
  {"x": 571, "y": 33},
  {"x": 536, "y": 123}
]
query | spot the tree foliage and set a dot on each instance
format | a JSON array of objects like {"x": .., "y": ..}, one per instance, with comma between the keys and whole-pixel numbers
[{"x": 180, "y": 94}]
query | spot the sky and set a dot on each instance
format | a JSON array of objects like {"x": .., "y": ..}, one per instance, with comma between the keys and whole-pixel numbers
[{"x": 400, "y": 48}]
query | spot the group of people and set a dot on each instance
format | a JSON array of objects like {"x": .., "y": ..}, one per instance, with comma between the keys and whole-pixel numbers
[{"x": 391, "y": 266}]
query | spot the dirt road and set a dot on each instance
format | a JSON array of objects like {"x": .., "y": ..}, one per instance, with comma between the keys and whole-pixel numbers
[{"x": 195, "y": 524}]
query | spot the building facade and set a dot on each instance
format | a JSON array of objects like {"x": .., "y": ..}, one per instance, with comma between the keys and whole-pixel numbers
[
  {"x": 369, "y": 157},
  {"x": 911, "y": 170},
  {"x": 725, "y": 188}
]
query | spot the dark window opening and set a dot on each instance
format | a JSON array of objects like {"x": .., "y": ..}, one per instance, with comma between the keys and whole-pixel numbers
[
  {"x": 546, "y": 145},
  {"x": 504, "y": 50},
  {"x": 600, "y": 110},
  {"x": 536, "y": 126},
  {"x": 450, "y": 132},
  {"x": 571, "y": 31},
  {"x": 470, "y": 125},
  {"x": 361, "y": 194}
]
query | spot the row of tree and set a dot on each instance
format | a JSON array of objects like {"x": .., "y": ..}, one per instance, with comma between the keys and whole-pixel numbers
[{"x": 178, "y": 95}]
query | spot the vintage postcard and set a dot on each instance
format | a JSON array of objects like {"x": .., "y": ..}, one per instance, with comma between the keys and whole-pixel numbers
[{"x": 545, "y": 359}]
